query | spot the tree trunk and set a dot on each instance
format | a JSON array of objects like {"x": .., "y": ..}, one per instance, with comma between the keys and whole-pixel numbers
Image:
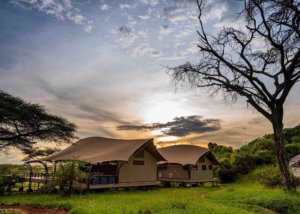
[{"x": 282, "y": 156}]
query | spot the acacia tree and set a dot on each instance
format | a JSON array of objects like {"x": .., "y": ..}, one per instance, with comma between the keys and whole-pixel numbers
[
  {"x": 35, "y": 152},
  {"x": 23, "y": 123},
  {"x": 259, "y": 61}
]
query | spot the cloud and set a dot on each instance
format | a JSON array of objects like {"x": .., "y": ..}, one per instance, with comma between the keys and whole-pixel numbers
[
  {"x": 181, "y": 10},
  {"x": 60, "y": 9},
  {"x": 124, "y": 6},
  {"x": 144, "y": 49},
  {"x": 127, "y": 37},
  {"x": 153, "y": 2},
  {"x": 257, "y": 121},
  {"x": 144, "y": 1},
  {"x": 184, "y": 33},
  {"x": 104, "y": 7},
  {"x": 192, "y": 49},
  {"x": 144, "y": 17},
  {"x": 180, "y": 126},
  {"x": 143, "y": 33},
  {"x": 165, "y": 30},
  {"x": 175, "y": 14}
]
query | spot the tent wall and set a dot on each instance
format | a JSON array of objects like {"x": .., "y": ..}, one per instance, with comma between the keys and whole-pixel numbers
[
  {"x": 200, "y": 173},
  {"x": 134, "y": 171},
  {"x": 173, "y": 171}
]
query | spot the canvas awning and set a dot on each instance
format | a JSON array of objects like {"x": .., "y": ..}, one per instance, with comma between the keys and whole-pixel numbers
[
  {"x": 185, "y": 154},
  {"x": 99, "y": 149}
]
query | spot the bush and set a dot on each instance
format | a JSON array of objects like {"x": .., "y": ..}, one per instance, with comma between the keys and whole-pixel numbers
[
  {"x": 244, "y": 163},
  {"x": 64, "y": 177},
  {"x": 293, "y": 149},
  {"x": 271, "y": 177},
  {"x": 226, "y": 172}
]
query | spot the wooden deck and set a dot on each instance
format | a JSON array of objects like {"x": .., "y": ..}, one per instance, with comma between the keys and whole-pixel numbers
[
  {"x": 179, "y": 180},
  {"x": 119, "y": 185}
]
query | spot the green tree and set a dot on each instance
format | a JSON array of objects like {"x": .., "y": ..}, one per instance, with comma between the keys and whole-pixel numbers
[{"x": 22, "y": 124}]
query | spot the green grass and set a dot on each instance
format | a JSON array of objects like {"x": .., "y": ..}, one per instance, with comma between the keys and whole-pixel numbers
[
  {"x": 239, "y": 198},
  {"x": 244, "y": 197}
]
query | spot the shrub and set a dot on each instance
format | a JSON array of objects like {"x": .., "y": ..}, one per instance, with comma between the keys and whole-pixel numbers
[
  {"x": 64, "y": 177},
  {"x": 244, "y": 163},
  {"x": 226, "y": 172},
  {"x": 293, "y": 149},
  {"x": 270, "y": 176}
]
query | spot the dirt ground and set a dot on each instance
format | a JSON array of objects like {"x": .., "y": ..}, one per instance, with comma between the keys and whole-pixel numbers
[{"x": 31, "y": 210}]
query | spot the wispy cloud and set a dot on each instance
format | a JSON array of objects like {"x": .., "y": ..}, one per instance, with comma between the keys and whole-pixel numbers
[
  {"x": 145, "y": 50},
  {"x": 60, "y": 9}
]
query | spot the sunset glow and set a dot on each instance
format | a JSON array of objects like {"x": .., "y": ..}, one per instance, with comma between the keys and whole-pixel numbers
[{"x": 103, "y": 66}]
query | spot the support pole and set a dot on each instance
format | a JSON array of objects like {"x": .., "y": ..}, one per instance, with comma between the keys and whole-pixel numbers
[{"x": 30, "y": 177}]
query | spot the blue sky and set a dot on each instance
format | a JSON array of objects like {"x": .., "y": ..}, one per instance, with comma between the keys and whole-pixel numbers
[{"x": 101, "y": 64}]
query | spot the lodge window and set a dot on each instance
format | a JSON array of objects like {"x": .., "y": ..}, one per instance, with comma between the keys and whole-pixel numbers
[
  {"x": 140, "y": 154},
  {"x": 195, "y": 167},
  {"x": 203, "y": 167},
  {"x": 210, "y": 167},
  {"x": 138, "y": 162}
]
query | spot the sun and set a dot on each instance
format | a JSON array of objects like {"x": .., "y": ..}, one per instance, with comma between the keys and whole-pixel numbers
[{"x": 164, "y": 111}]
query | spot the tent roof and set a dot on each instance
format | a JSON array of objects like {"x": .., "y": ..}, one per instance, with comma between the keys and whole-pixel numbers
[
  {"x": 185, "y": 154},
  {"x": 99, "y": 149},
  {"x": 294, "y": 160}
]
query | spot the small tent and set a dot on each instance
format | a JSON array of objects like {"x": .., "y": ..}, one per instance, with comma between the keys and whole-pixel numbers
[
  {"x": 295, "y": 165},
  {"x": 186, "y": 164}
]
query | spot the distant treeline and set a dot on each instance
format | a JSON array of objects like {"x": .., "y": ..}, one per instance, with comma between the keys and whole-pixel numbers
[{"x": 258, "y": 152}]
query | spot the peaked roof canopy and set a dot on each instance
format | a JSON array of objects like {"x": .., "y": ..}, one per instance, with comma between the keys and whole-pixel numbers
[
  {"x": 185, "y": 154},
  {"x": 99, "y": 149}
]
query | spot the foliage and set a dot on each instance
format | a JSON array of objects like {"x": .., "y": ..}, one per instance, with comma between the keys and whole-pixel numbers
[
  {"x": 8, "y": 182},
  {"x": 256, "y": 153},
  {"x": 65, "y": 176},
  {"x": 226, "y": 172},
  {"x": 293, "y": 149},
  {"x": 220, "y": 152},
  {"x": 23, "y": 123},
  {"x": 35, "y": 152},
  {"x": 271, "y": 176},
  {"x": 10, "y": 175},
  {"x": 244, "y": 163}
]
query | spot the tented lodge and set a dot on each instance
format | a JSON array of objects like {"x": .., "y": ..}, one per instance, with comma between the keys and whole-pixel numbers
[
  {"x": 114, "y": 162},
  {"x": 186, "y": 164}
]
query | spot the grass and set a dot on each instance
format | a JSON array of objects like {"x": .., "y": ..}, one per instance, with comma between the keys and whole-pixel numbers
[
  {"x": 244, "y": 197},
  {"x": 239, "y": 198}
]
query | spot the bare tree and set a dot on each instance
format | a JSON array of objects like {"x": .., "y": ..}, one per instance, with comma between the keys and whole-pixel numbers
[{"x": 259, "y": 61}]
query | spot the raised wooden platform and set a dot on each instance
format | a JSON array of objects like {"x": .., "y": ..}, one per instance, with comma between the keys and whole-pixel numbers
[
  {"x": 179, "y": 180},
  {"x": 120, "y": 185}
]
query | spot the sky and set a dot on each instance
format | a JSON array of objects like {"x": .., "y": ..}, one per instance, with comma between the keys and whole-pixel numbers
[{"x": 102, "y": 65}]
